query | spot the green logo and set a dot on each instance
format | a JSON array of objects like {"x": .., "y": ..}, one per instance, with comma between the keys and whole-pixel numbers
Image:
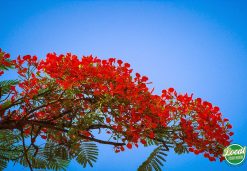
[{"x": 234, "y": 154}]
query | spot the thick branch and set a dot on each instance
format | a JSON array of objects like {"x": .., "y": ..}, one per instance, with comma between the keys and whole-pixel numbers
[
  {"x": 17, "y": 125},
  {"x": 98, "y": 127}
]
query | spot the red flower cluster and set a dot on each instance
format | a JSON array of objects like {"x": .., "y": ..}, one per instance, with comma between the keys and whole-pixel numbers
[
  {"x": 4, "y": 61},
  {"x": 202, "y": 126},
  {"x": 91, "y": 91},
  {"x": 127, "y": 102}
]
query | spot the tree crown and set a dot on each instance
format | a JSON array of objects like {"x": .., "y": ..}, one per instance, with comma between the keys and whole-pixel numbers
[{"x": 62, "y": 99}]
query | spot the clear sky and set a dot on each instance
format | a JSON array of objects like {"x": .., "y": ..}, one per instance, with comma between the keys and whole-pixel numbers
[{"x": 197, "y": 47}]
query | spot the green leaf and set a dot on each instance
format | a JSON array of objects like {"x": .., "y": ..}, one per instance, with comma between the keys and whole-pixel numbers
[
  {"x": 155, "y": 160},
  {"x": 5, "y": 86},
  {"x": 46, "y": 158},
  {"x": 3, "y": 164},
  {"x": 180, "y": 149},
  {"x": 87, "y": 155},
  {"x": 150, "y": 142}
]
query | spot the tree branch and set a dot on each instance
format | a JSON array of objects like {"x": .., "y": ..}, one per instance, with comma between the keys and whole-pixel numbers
[
  {"x": 48, "y": 125},
  {"x": 25, "y": 150},
  {"x": 20, "y": 124}
]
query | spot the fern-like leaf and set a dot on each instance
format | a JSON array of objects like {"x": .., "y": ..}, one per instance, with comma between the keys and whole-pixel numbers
[
  {"x": 150, "y": 142},
  {"x": 3, "y": 164},
  {"x": 155, "y": 160},
  {"x": 45, "y": 159},
  {"x": 87, "y": 155},
  {"x": 180, "y": 149}
]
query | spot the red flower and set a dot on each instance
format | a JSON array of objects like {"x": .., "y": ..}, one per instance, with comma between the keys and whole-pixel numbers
[
  {"x": 119, "y": 62},
  {"x": 127, "y": 65},
  {"x": 27, "y": 57},
  {"x": 122, "y": 148},
  {"x": 138, "y": 75},
  {"x": 12, "y": 88},
  {"x": 129, "y": 146},
  {"x": 143, "y": 141},
  {"x": 7, "y": 55},
  {"x": 216, "y": 109},
  {"x": 171, "y": 90},
  {"x": 151, "y": 135},
  {"x": 212, "y": 159},
  {"x": 43, "y": 137},
  {"x": 35, "y": 58},
  {"x": 27, "y": 131},
  {"x": 108, "y": 120},
  {"x": 229, "y": 126},
  {"x": 206, "y": 155},
  {"x": 222, "y": 158},
  {"x": 191, "y": 149},
  {"x": 144, "y": 79},
  {"x": 196, "y": 152}
]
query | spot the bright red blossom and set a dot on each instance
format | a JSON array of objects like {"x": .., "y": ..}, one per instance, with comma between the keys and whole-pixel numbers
[
  {"x": 108, "y": 120},
  {"x": 75, "y": 90},
  {"x": 129, "y": 145}
]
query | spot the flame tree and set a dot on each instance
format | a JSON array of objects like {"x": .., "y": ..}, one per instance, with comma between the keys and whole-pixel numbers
[{"x": 56, "y": 109}]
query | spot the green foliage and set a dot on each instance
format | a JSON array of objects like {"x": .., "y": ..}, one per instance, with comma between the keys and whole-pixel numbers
[
  {"x": 5, "y": 86},
  {"x": 3, "y": 164},
  {"x": 45, "y": 158},
  {"x": 8, "y": 147},
  {"x": 180, "y": 149},
  {"x": 150, "y": 142},
  {"x": 87, "y": 155},
  {"x": 51, "y": 156},
  {"x": 8, "y": 137},
  {"x": 155, "y": 160}
]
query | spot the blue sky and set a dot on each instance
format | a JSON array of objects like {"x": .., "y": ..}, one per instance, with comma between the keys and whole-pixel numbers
[{"x": 197, "y": 47}]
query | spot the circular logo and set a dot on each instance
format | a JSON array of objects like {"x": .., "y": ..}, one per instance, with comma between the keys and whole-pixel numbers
[{"x": 234, "y": 154}]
